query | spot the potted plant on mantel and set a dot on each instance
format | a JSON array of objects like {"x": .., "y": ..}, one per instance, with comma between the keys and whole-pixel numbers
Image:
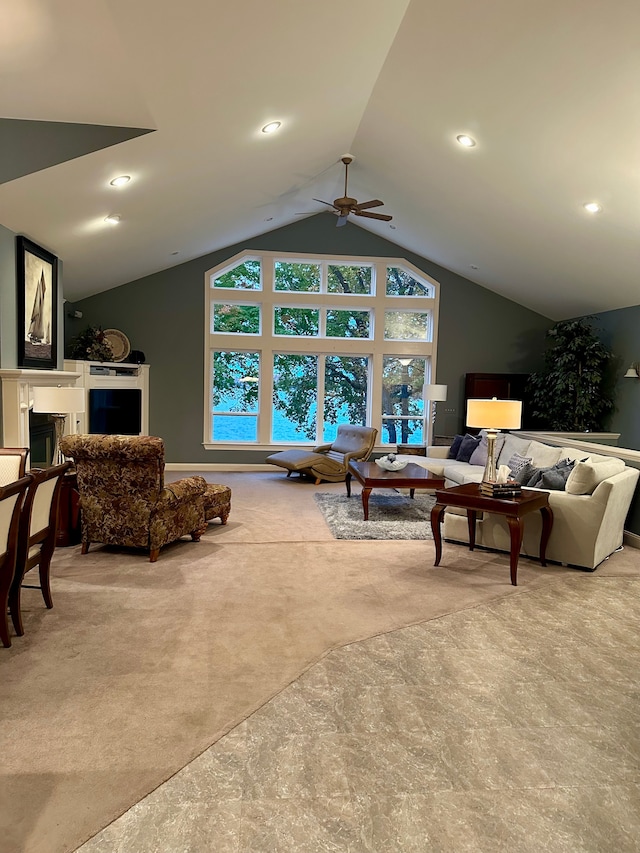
[
  {"x": 91, "y": 345},
  {"x": 574, "y": 391}
]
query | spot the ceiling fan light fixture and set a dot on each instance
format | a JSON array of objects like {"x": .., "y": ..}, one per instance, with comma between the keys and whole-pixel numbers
[
  {"x": 465, "y": 140},
  {"x": 271, "y": 127},
  {"x": 593, "y": 207},
  {"x": 120, "y": 181}
]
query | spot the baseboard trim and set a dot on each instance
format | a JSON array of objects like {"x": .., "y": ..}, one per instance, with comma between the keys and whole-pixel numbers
[
  {"x": 219, "y": 466},
  {"x": 631, "y": 539}
]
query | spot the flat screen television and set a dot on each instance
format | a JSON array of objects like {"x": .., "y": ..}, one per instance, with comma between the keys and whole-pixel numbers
[{"x": 115, "y": 411}]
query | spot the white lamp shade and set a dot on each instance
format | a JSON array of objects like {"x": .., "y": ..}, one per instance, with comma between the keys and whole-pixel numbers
[
  {"x": 435, "y": 393},
  {"x": 494, "y": 414},
  {"x": 56, "y": 400}
]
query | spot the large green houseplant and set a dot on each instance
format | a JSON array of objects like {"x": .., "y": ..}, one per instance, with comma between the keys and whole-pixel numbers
[{"x": 574, "y": 391}]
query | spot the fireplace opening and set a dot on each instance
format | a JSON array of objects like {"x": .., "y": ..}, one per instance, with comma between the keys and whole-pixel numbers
[{"x": 42, "y": 439}]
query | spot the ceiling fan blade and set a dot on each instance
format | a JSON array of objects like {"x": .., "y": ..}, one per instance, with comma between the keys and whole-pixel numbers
[
  {"x": 375, "y": 202},
  {"x": 342, "y": 220},
  {"x": 326, "y": 202},
  {"x": 382, "y": 216}
]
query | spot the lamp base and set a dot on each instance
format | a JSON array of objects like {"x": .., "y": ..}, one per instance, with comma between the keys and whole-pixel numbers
[
  {"x": 58, "y": 457},
  {"x": 489, "y": 475}
]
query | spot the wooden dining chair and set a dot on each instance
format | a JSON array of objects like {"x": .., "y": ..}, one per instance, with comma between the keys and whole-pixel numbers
[
  {"x": 37, "y": 536},
  {"x": 11, "y": 501},
  {"x": 13, "y": 464}
]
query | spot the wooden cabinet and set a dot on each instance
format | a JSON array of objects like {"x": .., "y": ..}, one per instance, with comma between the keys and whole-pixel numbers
[{"x": 504, "y": 386}]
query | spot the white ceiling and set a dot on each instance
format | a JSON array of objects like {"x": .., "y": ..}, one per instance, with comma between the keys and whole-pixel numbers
[{"x": 549, "y": 89}]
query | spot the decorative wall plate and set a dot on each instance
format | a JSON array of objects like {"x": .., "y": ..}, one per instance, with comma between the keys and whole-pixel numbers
[{"x": 118, "y": 342}]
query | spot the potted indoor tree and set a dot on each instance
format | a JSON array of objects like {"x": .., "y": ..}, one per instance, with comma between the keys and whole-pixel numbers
[{"x": 574, "y": 391}]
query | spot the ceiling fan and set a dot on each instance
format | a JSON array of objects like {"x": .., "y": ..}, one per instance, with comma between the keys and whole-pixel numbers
[{"x": 346, "y": 205}]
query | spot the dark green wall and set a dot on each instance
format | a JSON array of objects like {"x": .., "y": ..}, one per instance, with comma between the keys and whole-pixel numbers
[
  {"x": 619, "y": 331},
  {"x": 163, "y": 315}
]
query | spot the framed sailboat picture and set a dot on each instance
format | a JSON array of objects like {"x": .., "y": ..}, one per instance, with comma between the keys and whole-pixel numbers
[{"x": 37, "y": 275}]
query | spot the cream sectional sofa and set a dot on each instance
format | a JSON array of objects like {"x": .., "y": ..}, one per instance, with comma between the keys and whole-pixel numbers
[{"x": 589, "y": 516}]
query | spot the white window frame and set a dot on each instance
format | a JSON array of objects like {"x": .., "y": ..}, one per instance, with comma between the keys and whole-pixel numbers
[{"x": 267, "y": 343}]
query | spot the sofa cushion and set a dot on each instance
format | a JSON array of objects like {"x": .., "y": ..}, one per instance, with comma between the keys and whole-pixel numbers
[
  {"x": 479, "y": 455},
  {"x": 461, "y": 472},
  {"x": 455, "y": 446},
  {"x": 543, "y": 455},
  {"x": 599, "y": 457},
  {"x": 587, "y": 475},
  {"x": 513, "y": 444},
  {"x": 467, "y": 446}
]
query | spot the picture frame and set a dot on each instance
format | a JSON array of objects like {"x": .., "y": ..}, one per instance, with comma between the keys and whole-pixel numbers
[{"x": 37, "y": 278}]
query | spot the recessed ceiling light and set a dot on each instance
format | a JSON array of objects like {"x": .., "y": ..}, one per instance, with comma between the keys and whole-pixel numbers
[
  {"x": 112, "y": 219},
  {"x": 271, "y": 127},
  {"x": 593, "y": 207},
  {"x": 467, "y": 141},
  {"x": 120, "y": 181}
]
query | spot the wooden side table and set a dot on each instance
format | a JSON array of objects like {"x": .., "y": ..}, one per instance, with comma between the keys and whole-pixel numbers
[
  {"x": 470, "y": 497},
  {"x": 69, "y": 532}
]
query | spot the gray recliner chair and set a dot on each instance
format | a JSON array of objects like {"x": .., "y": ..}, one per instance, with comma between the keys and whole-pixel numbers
[{"x": 329, "y": 461}]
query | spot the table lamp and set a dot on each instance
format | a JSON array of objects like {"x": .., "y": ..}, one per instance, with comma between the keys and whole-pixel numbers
[
  {"x": 493, "y": 415},
  {"x": 58, "y": 401},
  {"x": 434, "y": 394}
]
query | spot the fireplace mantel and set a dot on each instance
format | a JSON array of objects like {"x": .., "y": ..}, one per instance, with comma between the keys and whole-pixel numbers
[{"x": 17, "y": 397}]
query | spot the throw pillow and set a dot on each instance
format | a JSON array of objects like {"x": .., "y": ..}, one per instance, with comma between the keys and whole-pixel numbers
[
  {"x": 552, "y": 477},
  {"x": 479, "y": 455},
  {"x": 525, "y": 474},
  {"x": 467, "y": 446},
  {"x": 455, "y": 446},
  {"x": 517, "y": 463},
  {"x": 587, "y": 475},
  {"x": 556, "y": 478}
]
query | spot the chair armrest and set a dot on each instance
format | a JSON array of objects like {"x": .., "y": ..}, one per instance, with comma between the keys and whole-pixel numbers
[
  {"x": 185, "y": 489},
  {"x": 322, "y": 448}
]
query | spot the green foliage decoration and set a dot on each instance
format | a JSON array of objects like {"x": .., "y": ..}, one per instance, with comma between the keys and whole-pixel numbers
[
  {"x": 91, "y": 345},
  {"x": 573, "y": 393}
]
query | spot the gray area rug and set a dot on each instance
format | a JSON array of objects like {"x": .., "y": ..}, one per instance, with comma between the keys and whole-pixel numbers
[{"x": 391, "y": 515}]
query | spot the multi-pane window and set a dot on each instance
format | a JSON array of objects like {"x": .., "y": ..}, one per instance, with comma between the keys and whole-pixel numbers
[
  {"x": 301, "y": 344},
  {"x": 235, "y": 398},
  {"x": 403, "y": 405}
]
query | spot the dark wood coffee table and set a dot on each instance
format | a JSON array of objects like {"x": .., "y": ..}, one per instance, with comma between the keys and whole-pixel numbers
[
  {"x": 372, "y": 476},
  {"x": 470, "y": 497}
]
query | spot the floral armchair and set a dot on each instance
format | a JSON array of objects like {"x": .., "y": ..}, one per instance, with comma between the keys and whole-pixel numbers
[{"x": 123, "y": 499}]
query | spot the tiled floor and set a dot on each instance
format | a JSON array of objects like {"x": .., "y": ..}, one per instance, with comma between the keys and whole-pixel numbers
[{"x": 513, "y": 726}]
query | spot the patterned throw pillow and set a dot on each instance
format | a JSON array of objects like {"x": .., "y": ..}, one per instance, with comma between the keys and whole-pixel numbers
[{"x": 517, "y": 463}]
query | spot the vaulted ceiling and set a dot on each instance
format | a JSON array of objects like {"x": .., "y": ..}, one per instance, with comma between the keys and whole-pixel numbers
[{"x": 174, "y": 94}]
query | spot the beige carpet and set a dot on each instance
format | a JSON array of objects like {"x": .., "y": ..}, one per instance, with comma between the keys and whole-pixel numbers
[{"x": 142, "y": 666}]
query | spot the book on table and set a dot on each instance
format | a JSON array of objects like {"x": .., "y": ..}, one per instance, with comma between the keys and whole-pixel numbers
[{"x": 501, "y": 490}]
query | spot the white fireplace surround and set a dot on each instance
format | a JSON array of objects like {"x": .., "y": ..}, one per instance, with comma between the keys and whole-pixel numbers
[
  {"x": 17, "y": 399},
  {"x": 18, "y": 385}
]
